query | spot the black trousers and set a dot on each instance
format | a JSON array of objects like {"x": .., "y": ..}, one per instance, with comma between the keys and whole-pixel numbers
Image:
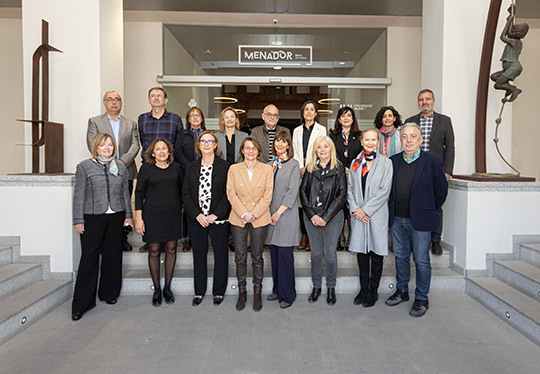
[
  {"x": 102, "y": 236},
  {"x": 219, "y": 235}
]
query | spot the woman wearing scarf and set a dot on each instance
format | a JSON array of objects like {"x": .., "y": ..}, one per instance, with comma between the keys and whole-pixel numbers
[
  {"x": 283, "y": 232},
  {"x": 158, "y": 200},
  {"x": 388, "y": 121},
  {"x": 184, "y": 153},
  {"x": 346, "y": 138},
  {"x": 101, "y": 206},
  {"x": 369, "y": 185}
]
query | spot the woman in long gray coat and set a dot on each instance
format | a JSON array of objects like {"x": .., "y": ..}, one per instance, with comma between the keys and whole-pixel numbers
[
  {"x": 283, "y": 232},
  {"x": 370, "y": 182}
]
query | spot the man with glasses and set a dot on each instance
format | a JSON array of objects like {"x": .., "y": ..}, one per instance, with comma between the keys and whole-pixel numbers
[
  {"x": 124, "y": 132},
  {"x": 265, "y": 133},
  {"x": 158, "y": 123}
]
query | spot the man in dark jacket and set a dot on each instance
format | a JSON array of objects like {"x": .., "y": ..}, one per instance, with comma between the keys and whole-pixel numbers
[
  {"x": 419, "y": 188},
  {"x": 265, "y": 134},
  {"x": 438, "y": 135}
]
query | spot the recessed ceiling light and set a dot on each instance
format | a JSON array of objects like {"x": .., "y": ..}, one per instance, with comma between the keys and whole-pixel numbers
[
  {"x": 207, "y": 51},
  {"x": 277, "y": 67},
  {"x": 346, "y": 52},
  {"x": 277, "y": 42},
  {"x": 342, "y": 62}
]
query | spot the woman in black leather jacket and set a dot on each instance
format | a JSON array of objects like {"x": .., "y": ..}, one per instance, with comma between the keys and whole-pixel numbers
[{"x": 323, "y": 193}]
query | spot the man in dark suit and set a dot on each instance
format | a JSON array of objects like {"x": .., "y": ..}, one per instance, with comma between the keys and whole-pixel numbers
[
  {"x": 438, "y": 136},
  {"x": 419, "y": 188},
  {"x": 124, "y": 132}
]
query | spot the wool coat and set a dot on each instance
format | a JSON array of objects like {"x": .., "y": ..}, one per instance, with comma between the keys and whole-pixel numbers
[
  {"x": 371, "y": 236},
  {"x": 286, "y": 233}
]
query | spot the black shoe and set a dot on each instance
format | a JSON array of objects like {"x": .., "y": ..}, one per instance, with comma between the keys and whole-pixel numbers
[
  {"x": 371, "y": 299},
  {"x": 76, "y": 316},
  {"x": 419, "y": 308},
  {"x": 156, "y": 298},
  {"x": 361, "y": 297},
  {"x": 231, "y": 247},
  {"x": 331, "y": 296},
  {"x": 144, "y": 248},
  {"x": 218, "y": 300},
  {"x": 197, "y": 300},
  {"x": 315, "y": 293},
  {"x": 168, "y": 295},
  {"x": 397, "y": 298},
  {"x": 436, "y": 248},
  {"x": 127, "y": 248},
  {"x": 111, "y": 302},
  {"x": 340, "y": 247}
]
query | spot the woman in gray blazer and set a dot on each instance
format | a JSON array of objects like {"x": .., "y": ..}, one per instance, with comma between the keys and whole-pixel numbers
[
  {"x": 283, "y": 232},
  {"x": 229, "y": 136},
  {"x": 369, "y": 185},
  {"x": 101, "y": 206}
]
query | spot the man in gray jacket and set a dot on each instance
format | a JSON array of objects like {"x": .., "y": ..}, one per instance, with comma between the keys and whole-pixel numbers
[
  {"x": 124, "y": 132},
  {"x": 438, "y": 136},
  {"x": 265, "y": 133}
]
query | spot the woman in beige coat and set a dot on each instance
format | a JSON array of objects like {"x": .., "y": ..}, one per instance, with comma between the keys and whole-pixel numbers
[{"x": 249, "y": 189}]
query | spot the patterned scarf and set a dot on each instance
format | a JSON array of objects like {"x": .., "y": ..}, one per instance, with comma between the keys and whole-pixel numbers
[
  {"x": 112, "y": 165},
  {"x": 413, "y": 158},
  {"x": 277, "y": 160},
  {"x": 388, "y": 142},
  {"x": 362, "y": 160}
]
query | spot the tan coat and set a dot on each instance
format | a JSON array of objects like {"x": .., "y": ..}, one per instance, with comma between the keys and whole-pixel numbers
[{"x": 250, "y": 196}]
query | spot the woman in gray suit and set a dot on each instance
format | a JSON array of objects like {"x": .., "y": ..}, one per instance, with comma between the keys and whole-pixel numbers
[
  {"x": 283, "y": 232},
  {"x": 229, "y": 136},
  {"x": 370, "y": 182}
]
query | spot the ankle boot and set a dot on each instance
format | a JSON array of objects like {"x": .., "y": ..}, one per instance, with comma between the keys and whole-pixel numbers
[
  {"x": 257, "y": 301},
  {"x": 303, "y": 242},
  {"x": 331, "y": 296},
  {"x": 361, "y": 297},
  {"x": 241, "y": 303},
  {"x": 372, "y": 297}
]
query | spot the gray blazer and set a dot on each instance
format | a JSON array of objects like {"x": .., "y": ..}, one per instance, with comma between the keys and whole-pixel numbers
[
  {"x": 239, "y": 137},
  {"x": 372, "y": 236},
  {"x": 128, "y": 142},
  {"x": 286, "y": 232},
  {"x": 441, "y": 139},
  {"x": 96, "y": 189}
]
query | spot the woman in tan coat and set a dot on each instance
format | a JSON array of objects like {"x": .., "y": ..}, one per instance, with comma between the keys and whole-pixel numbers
[{"x": 249, "y": 189}]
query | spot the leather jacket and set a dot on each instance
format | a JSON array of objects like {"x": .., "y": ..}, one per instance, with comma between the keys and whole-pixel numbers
[{"x": 334, "y": 191}]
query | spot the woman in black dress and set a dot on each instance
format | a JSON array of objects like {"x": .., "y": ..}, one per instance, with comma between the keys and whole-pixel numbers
[
  {"x": 158, "y": 202},
  {"x": 346, "y": 139}
]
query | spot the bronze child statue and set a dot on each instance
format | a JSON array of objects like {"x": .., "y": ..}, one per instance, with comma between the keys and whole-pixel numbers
[{"x": 511, "y": 35}]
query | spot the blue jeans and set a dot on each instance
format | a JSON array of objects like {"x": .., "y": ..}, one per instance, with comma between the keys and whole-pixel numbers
[{"x": 405, "y": 240}]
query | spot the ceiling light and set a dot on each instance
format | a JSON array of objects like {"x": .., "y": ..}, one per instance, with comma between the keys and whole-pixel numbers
[
  {"x": 329, "y": 101},
  {"x": 207, "y": 51},
  {"x": 347, "y": 52},
  {"x": 224, "y": 100},
  {"x": 325, "y": 111},
  {"x": 277, "y": 67},
  {"x": 240, "y": 111},
  {"x": 342, "y": 62},
  {"x": 277, "y": 42}
]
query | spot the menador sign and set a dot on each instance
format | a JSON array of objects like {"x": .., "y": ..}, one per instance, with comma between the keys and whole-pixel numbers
[{"x": 270, "y": 55}]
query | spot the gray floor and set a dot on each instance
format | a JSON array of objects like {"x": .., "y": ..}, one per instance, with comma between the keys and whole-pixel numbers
[{"x": 456, "y": 336}]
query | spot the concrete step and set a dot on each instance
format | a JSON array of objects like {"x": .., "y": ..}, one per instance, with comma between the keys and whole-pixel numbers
[
  {"x": 17, "y": 276},
  {"x": 530, "y": 253},
  {"x": 26, "y": 306},
  {"x": 137, "y": 281},
  {"x": 515, "y": 308},
  {"x": 520, "y": 275},
  {"x": 5, "y": 255},
  {"x": 302, "y": 259}
]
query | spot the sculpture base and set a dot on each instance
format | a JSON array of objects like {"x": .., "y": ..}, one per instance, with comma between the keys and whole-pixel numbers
[{"x": 494, "y": 177}]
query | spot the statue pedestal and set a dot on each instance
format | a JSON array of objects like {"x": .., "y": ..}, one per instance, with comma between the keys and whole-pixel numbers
[
  {"x": 38, "y": 208},
  {"x": 482, "y": 217}
]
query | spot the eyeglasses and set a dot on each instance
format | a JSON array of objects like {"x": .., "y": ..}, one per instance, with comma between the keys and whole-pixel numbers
[
  {"x": 206, "y": 142},
  {"x": 113, "y": 99},
  {"x": 272, "y": 115},
  {"x": 250, "y": 149},
  {"x": 194, "y": 115}
]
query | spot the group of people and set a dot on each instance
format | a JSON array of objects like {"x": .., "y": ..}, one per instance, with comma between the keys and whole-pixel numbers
[{"x": 264, "y": 189}]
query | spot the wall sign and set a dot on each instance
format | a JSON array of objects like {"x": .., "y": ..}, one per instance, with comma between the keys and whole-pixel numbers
[{"x": 274, "y": 55}]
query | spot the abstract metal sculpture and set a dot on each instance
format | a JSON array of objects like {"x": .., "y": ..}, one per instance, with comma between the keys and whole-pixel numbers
[{"x": 51, "y": 135}]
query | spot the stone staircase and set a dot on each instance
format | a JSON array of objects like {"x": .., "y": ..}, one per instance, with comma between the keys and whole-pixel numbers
[
  {"x": 27, "y": 289},
  {"x": 136, "y": 276},
  {"x": 512, "y": 291}
]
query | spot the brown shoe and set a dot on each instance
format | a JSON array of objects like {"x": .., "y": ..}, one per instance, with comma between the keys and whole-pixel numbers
[
  {"x": 241, "y": 303},
  {"x": 436, "y": 248},
  {"x": 257, "y": 302},
  {"x": 308, "y": 247},
  {"x": 303, "y": 242}
]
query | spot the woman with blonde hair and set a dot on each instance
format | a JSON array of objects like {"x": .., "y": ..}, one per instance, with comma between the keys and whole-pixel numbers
[
  {"x": 323, "y": 193},
  {"x": 229, "y": 136}
]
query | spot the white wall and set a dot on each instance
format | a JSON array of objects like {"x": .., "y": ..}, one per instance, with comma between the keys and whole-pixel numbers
[
  {"x": 526, "y": 119},
  {"x": 11, "y": 97},
  {"x": 404, "y": 67}
]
